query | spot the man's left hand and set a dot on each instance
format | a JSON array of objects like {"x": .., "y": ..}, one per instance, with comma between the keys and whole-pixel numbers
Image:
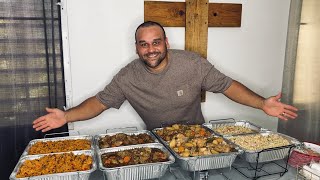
[{"x": 273, "y": 107}]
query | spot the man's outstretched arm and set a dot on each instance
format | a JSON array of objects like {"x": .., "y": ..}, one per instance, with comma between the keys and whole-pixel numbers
[
  {"x": 271, "y": 106},
  {"x": 57, "y": 118}
]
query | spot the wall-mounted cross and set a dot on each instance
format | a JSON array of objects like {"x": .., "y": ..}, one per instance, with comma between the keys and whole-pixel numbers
[{"x": 196, "y": 16}]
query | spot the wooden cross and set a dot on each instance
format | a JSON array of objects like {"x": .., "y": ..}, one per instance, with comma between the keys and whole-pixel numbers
[{"x": 196, "y": 16}]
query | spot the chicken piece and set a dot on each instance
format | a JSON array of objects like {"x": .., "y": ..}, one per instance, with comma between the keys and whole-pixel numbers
[
  {"x": 185, "y": 154},
  {"x": 176, "y": 126},
  {"x": 222, "y": 148},
  {"x": 117, "y": 144},
  {"x": 172, "y": 143},
  {"x": 213, "y": 151},
  {"x": 159, "y": 156},
  {"x": 180, "y": 139},
  {"x": 181, "y": 149},
  {"x": 201, "y": 142},
  {"x": 188, "y": 145}
]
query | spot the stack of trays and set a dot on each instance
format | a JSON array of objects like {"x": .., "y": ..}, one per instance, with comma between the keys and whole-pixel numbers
[
  {"x": 201, "y": 161},
  {"x": 61, "y": 158},
  {"x": 116, "y": 157},
  {"x": 245, "y": 134}
]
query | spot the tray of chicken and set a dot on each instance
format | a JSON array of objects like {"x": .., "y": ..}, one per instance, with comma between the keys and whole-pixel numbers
[
  {"x": 196, "y": 148},
  {"x": 227, "y": 127},
  {"x": 143, "y": 161},
  {"x": 55, "y": 166},
  {"x": 116, "y": 139},
  {"x": 59, "y": 144},
  {"x": 264, "y": 146}
]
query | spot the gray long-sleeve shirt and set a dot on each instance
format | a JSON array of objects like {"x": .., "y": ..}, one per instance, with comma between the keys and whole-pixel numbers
[{"x": 169, "y": 96}]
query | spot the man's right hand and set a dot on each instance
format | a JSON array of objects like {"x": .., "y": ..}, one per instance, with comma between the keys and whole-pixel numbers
[{"x": 54, "y": 119}]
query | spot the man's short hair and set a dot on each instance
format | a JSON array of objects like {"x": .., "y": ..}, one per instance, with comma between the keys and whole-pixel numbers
[{"x": 148, "y": 24}]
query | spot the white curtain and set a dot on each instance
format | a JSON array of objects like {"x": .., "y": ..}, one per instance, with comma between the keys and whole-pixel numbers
[{"x": 301, "y": 83}]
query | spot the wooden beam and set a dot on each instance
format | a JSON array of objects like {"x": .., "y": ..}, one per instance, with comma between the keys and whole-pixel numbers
[
  {"x": 196, "y": 34},
  {"x": 173, "y": 14},
  {"x": 168, "y": 14},
  {"x": 224, "y": 15}
]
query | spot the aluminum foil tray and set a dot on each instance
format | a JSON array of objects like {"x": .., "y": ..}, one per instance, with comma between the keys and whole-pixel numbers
[
  {"x": 87, "y": 137},
  {"x": 200, "y": 163},
  {"x": 139, "y": 171},
  {"x": 99, "y": 136},
  {"x": 79, "y": 175},
  {"x": 270, "y": 154},
  {"x": 213, "y": 124}
]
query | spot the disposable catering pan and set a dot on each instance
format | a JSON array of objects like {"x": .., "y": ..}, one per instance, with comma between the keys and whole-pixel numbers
[
  {"x": 266, "y": 154},
  {"x": 100, "y": 136},
  {"x": 206, "y": 162},
  {"x": 77, "y": 175},
  {"x": 79, "y": 137},
  {"x": 234, "y": 127},
  {"x": 199, "y": 163},
  {"x": 139, "y": 171}
]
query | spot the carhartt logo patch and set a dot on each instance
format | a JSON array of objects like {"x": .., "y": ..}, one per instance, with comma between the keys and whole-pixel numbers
[{"x": 180, "y": 93}]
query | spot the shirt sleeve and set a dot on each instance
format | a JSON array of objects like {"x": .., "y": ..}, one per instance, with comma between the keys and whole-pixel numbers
[
  {"x": 112, "y": 96},
  {"x": 213, "y": 80}
]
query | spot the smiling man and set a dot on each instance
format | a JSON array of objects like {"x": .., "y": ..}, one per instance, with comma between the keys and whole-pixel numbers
[
  {"x": 152, "y": 46},
  {"x": 164, "y": 85}
]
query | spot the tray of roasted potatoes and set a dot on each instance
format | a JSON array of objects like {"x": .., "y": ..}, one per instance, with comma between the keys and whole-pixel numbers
[{"x": 196, "y": 147}]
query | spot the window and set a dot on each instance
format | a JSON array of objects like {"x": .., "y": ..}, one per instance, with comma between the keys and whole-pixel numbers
[
  {"x": 31, "y": 73},
  {"x": 31, "y": 65}
]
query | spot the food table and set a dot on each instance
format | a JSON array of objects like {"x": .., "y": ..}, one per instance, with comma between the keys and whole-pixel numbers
[{"x": 203, "y": 155}]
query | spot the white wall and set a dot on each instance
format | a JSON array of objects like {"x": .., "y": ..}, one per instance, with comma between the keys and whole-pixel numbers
[{"x": 101, "y": 42}]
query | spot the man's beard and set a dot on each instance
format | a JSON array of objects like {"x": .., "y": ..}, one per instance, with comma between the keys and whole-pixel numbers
[{"x": 156, "y": 62}]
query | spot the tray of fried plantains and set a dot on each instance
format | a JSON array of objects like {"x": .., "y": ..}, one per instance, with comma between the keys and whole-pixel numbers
[
  {"x": 56, "y": 166},
  {"x": 264, "y": 146},
  {"x": 117, "y": 139},
  {"x": 196, "y": 148},
  {"x": 143, "y": 161},
  {"x": 227, "y": 127},
  {"x": 59, "y": 144}
]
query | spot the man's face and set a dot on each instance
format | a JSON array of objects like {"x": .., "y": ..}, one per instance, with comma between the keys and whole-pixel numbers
[{"x": 151, "y": 46}]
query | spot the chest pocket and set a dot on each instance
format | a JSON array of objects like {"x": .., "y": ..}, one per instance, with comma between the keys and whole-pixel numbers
[{"x": 181, "y": 96}]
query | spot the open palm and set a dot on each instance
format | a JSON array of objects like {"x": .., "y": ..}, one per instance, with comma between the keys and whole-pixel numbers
[
  {"x": 54, "y": 119},
  {"x": 273, "y": 107}
]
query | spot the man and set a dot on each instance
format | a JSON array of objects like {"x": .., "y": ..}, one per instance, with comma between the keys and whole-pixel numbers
[{"x": 164, "y": 86}]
